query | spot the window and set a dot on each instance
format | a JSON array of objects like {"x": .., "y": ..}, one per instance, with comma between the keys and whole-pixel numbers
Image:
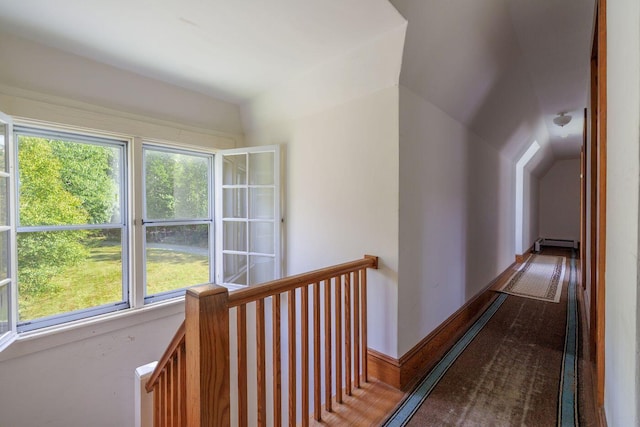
[
  {"x": 250, "y": 216},
  {"x": 7, "y": 237},
  {"x": 72, "y": 237},
  {"x": 68, "y": 204},
  {"x": 178, "y": 220}
]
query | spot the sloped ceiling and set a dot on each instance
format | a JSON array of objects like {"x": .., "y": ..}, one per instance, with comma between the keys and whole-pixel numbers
[
  {"x": 503, "y": 68},
  {"x": 231, "y": 50}
]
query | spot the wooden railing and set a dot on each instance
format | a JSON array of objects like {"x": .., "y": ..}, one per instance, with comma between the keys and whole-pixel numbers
[{"x": 196, "y": 365}]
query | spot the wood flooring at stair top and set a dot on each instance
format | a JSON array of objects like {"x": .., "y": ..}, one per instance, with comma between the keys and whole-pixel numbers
[{"x": 368, "y": 406}]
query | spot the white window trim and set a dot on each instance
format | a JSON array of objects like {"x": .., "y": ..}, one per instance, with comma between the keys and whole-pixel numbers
[{"x": 25, "y": 343}]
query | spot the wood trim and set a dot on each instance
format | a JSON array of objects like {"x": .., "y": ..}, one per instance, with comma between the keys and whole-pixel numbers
[
  {"x": 602, "y": 199},
  {"x": 385, "y": 368},
  {"x": 402, "y": 373},
  {"x": 521, "y": 258},
  {"x": 593, "y": 190},
  {"x": 583, "y": 204}
]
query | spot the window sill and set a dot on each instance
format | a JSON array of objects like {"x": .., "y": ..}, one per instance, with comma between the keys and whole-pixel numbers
[{"x": 54, "y": 336}]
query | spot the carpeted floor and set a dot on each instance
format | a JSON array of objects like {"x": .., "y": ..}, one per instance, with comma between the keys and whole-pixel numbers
[{"x": 509, "y": 374}]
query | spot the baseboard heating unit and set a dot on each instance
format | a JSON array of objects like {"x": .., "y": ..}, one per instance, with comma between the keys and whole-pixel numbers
[{"x": 559, "y": 243}]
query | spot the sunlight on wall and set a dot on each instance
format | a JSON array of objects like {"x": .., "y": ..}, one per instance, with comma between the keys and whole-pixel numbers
[{"x": 520, "y": 165}]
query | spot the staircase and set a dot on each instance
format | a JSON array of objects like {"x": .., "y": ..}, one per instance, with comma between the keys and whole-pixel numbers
[{"x": 236, "y": 350}]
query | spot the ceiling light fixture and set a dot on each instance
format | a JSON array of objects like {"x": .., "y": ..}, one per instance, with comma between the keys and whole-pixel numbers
[{"x": 562, "y": 120}]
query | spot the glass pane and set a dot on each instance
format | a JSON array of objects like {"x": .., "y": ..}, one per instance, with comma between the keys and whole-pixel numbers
[
  {"x": 262, "y": 269},
  {"x": 262, "y": 237},
  {"x": 176, "y": 257},
  {"x": 176, "y": 185},
  {"x": 4, "y": 255},
  {"x": 235, "y": 269},
  {"x": 4, "y": 195},
  {"x": 234, "y": 170},
  {"x": 64, "y": 182},
  {"x": 62, "y": 271},
  {"x": 262, "y": 203},
  {"x": 3, "y": 138},
  {"x": 234, "y": 203},
  {"x": 4, "y": 309},
  {"x": 261, "y": 172},
  {"x": 235, "y": 236}
]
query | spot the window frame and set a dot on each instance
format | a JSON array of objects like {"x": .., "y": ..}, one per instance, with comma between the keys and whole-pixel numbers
[
  {"x": 11, "y": 282},
  {"x": 91, "y": 138},
  {"x": 146, "y": 222},
  {"x": 277, "y": 212},
  {"x": 132, "y": 217}
]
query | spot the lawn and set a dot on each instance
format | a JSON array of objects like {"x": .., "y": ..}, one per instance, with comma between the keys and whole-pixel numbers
[{"x": 98, "y": 280}]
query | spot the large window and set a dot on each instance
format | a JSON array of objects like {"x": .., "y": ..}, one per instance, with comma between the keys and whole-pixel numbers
[
  {"x": 178, "y": 220},
  {"x": 71, "y": 244},
  {"x": 106, "y": 223}
]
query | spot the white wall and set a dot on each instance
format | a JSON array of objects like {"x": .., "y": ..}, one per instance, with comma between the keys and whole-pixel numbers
[
  {"x": 456, "y": 217},
  {"x": 531, "y": 210},
  {"x": 559, "y": 213},
  {"x": 340, "y": 138},
  {"x": 622, "y": 344},
  {"x": 83, "y": 377}
]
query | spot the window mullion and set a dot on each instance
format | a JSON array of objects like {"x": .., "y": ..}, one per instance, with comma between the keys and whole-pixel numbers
[{"x": 138, "y": 230}]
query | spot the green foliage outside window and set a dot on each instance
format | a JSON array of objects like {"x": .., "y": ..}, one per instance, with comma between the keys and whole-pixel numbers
[{"x": 61, "y": 183}]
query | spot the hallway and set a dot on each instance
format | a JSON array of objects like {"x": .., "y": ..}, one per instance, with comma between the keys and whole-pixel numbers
[{"x": 510, "y": 372}]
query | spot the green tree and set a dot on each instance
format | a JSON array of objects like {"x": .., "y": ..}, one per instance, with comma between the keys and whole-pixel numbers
[
  {"x": 87, "y": 172},
  {"x": 45, "y": 201},
  {"x": 159, "y": 184},
  {"x": 191, "y": 187}
]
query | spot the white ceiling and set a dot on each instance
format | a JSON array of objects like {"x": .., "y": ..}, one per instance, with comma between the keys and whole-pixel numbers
[
  {"x": 555, "y": 40},
  {"x": 500, "y": 65},
  {"x": 475, "y": 59},
  {"x": 228, "y": 49}
]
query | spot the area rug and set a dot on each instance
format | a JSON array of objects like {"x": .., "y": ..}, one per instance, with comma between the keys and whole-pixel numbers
[
  {"x": 516, "y": 366},
  {"x": 541, "y": 277}
]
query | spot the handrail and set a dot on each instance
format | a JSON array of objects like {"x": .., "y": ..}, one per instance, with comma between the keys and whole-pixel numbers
[
  {"x": 176, "y": 342},
  {"x": 268, "y": 289},
  {"x": 195, "y": 368}
]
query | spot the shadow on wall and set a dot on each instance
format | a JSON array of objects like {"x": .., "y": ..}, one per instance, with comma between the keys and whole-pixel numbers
[{"x": 484, "y": 216}]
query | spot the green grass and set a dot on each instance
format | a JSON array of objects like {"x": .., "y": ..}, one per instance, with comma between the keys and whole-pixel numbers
[{"x": 98, "y": 280}]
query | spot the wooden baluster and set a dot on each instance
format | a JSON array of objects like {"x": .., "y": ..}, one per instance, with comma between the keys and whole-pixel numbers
[
  {"x": 338, "y": 291},
  {"x": 182, "y": 386},
  {"x": 163, "y": 406},
  {"x": 327, "y": 345},
  {"x": 292, "y": 357},
  {"x": 317, "y": 386},
  {"x": 242, "y": 364},
  {"x": 156, "y": 404},
  {"x": 305, "y": 355},
  {"x": 363, "y": 313},
  {"x": 262, "y": 367},
  {"x": 173, "y": 391},
  {"x": 207, "y": 343},
  {"x": 277, "y": 371},
  {"x": 347, "y": 332},
  {"x": 165, "y": 399},
  {"x": 356, "y": 328}
]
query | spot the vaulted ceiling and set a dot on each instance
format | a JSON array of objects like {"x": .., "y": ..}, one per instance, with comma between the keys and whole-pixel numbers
[
  {"x": 493, "y": 65},
  {"x": 500, "y": 65}
]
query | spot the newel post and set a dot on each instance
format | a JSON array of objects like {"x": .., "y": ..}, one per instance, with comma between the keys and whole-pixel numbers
[{"x": 207, "y": 357}]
